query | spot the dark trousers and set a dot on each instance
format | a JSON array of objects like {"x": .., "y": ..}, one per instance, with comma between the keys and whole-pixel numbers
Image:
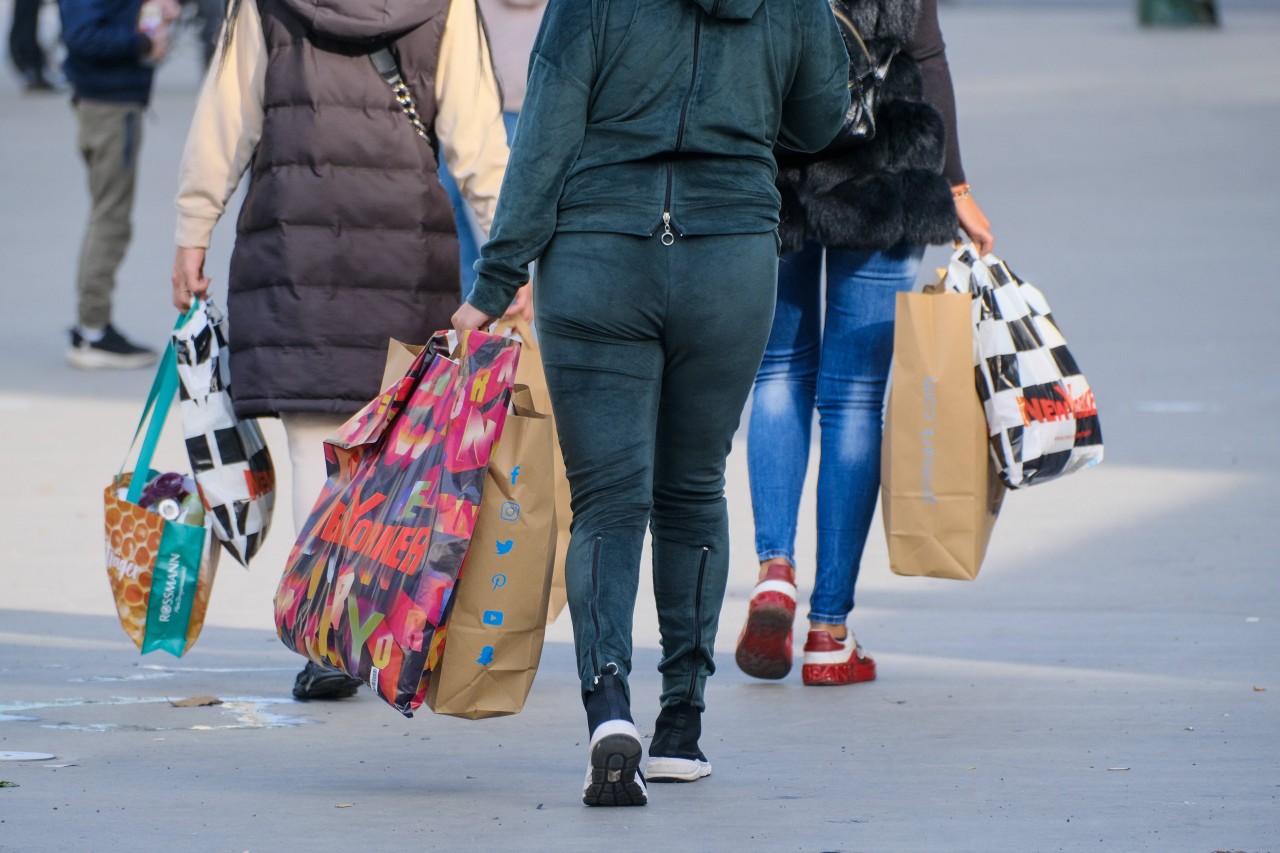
[
  {"x": 650, "y": 353},
  {"x": 24, "y": 42}
]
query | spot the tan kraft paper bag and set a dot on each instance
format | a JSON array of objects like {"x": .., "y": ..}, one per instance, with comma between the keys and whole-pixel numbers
[
  {"x": 492, "y": 641},
  {"x": 530, "y": 372},
  {"x": 939, "y": 491}
]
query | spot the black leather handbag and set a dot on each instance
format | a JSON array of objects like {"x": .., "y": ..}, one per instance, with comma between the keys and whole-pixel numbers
[{"x": 866, "y": 75}]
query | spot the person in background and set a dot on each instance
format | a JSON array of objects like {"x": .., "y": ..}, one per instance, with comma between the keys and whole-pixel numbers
[
  {"x": 641, "y": 180},
  {"x": 345, "y": 237},
  {"x": 112, "y": 51},
  {"x": 208, "y": 23},
  {"x": 512, "y": 26},
  {"x": 24, "y": 46},
  {"x": 862, "y": 214}
]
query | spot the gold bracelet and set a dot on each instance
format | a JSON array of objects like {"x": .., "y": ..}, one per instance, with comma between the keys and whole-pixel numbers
[{"x": 964, "y": 192}]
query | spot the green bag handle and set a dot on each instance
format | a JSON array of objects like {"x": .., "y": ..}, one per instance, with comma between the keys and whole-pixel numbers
[{"x": 163, "y": 389}]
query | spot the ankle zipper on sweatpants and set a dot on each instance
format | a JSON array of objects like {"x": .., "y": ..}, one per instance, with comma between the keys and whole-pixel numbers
[
  {"x": 595, "y": 609},
  {"x": 697, "y": 624}
]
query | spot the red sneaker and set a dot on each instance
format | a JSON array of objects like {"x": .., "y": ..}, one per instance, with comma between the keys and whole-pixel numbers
[
  {"x": 831, "y": 661},
  {"x": 764, "y": 647}
]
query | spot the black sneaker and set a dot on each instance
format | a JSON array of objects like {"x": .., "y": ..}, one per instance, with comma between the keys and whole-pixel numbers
[
  {"x": 111, "y": 351},
  {"x": 319, "y": 682},
  {"x": 673, "y": 753},
  {"x": 613, "y": 758}
]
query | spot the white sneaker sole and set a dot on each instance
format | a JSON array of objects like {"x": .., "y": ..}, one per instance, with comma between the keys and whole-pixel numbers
[
  {"x": 90, "y": 359},
  {"x": 676, "y": 770},
  {"x": 613, "y": 768}
]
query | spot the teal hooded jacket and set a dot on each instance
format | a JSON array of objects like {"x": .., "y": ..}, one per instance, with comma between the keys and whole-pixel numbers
[{"x": 648, "y": 115}]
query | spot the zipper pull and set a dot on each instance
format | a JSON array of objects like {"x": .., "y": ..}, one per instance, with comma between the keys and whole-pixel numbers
[{"x": 667, "y": 237}]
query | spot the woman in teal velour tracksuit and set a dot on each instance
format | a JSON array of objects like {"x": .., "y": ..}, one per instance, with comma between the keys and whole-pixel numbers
[{"x": 642, "y": 180}]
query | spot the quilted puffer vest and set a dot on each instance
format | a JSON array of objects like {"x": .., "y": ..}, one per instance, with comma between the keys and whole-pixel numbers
[{"x": 346, "y": 237}]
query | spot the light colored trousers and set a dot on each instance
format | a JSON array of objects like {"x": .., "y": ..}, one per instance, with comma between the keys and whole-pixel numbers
[
  {"x": 306, "y": 434},
  {"x": 109, "y": 138}
]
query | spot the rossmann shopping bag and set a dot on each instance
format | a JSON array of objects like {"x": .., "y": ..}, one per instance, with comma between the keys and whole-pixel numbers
[
  {"x": 228, "y": 454},
  {"x": 532, "y": 374},
  {"x": 1041, "y": 414},
  {"x": 161, "y": 556},
  {"x": 370, "y": 578},
  {"x": 492, "y": 641},
  {"x": 939, "y": 492}
]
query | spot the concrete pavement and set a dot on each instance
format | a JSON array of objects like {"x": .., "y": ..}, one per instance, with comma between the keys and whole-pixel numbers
[{"x": 1110, "y": 682}]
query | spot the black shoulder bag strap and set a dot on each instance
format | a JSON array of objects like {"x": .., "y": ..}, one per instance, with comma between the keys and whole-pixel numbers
[{"x": 389, "y": 68}]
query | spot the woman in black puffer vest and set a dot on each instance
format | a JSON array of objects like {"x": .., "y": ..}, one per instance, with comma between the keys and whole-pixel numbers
[
  {"x": 866, "y": 213},
  {"x": 345, "y": 237}
]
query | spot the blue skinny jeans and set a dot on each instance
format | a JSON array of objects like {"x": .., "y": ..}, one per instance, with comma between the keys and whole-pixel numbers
[{"x": 840, "y": 365}]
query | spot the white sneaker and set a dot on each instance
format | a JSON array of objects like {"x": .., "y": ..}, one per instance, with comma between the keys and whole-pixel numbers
[
  {"x": 613, "y": 766},
  {"x": 676, "y": 769}
]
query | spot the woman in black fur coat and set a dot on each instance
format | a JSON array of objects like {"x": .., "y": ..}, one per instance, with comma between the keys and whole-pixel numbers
[{"x": 865, "y": 211}]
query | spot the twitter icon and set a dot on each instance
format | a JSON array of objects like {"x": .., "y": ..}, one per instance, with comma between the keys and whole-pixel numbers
[{"x": 505, "y": 545}]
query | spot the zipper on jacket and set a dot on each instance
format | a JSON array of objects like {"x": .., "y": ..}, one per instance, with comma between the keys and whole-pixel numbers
[
  {"x": 595, "y": 609},
  {"x": 693, "y": 77},
  {"x": 668, "y": 236},
  {"x": 697, "y": 624}
]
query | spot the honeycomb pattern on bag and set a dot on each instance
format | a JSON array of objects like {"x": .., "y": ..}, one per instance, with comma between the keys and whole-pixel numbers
[{"x": 133, "y": 538}]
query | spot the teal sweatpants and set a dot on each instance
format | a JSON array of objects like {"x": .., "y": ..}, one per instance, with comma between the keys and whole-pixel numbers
[{"x": 650, "y": 353}]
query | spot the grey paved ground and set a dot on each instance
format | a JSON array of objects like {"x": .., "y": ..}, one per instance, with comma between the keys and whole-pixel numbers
[{"x": 1109, "y": 683}]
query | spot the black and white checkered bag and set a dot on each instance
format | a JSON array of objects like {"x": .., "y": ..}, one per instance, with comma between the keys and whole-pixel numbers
[
  {"x": 1040, "y": 410},
  {"x": 228, "y": 455}
]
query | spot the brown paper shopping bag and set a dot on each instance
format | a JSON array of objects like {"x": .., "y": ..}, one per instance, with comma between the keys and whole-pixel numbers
[
  {"x": 940, "y": 493},
  {"x": 493, "y": 638},
  {"x": 530, "y": 372}
]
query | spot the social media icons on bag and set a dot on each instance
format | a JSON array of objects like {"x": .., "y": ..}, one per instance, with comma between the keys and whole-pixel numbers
[
  {"x": 504, "y": 546},
  {"x": 509, "y": 511},
  {"x": 493, "y": 617}
]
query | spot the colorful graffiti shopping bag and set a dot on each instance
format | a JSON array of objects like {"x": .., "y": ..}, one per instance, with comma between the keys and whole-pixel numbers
[{"x": 369, "y": 580}]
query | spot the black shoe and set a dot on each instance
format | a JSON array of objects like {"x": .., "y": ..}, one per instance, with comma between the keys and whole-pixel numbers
[
  {"x": 613, "y": 758},
  {"x": 318, "y": 682},
  {"x": 112, "y": 351},
  {"x": 673, "y": 753}
]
